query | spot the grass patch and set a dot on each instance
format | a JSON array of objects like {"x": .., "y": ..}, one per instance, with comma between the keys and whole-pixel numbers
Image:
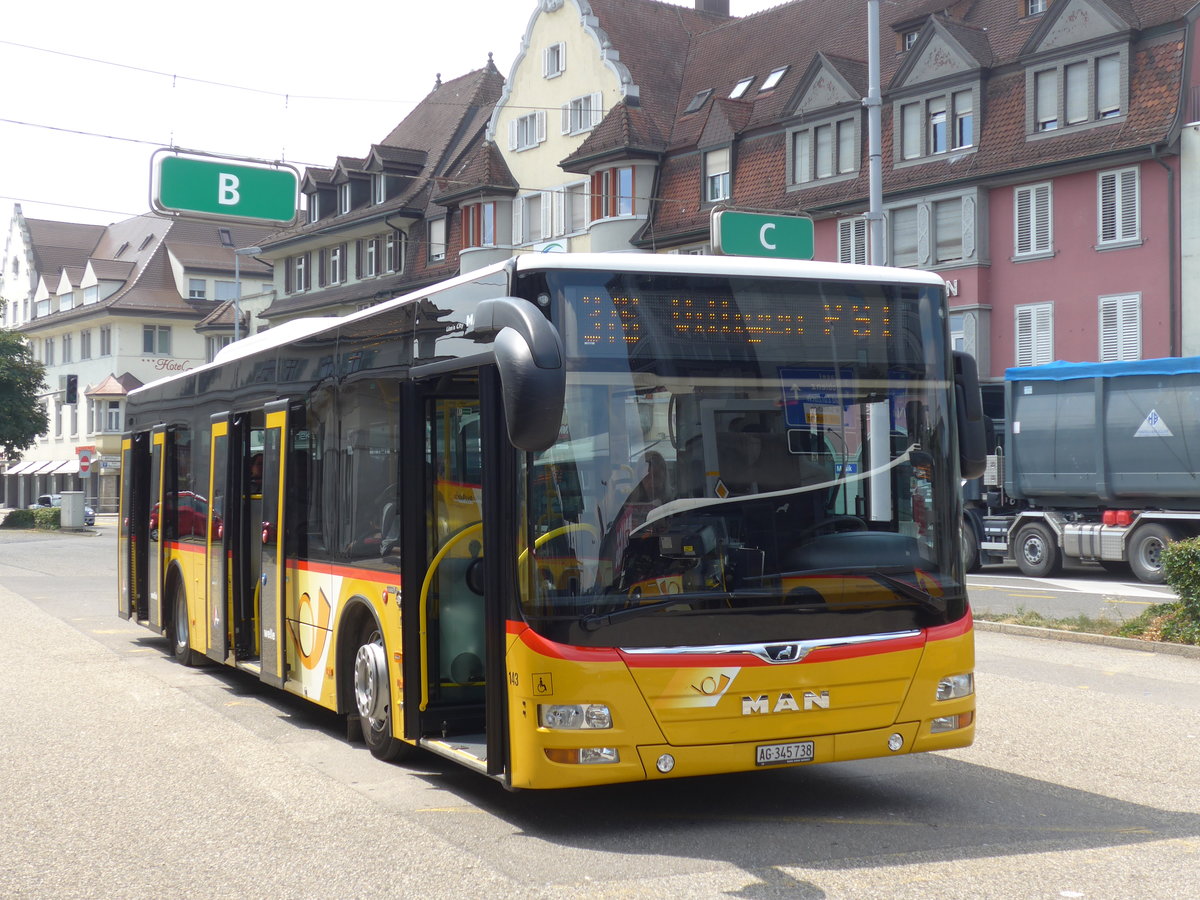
[{"x": 1166, "y": 622}]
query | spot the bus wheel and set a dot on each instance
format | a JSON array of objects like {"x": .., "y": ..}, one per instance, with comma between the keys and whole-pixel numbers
[
  {"x": 1037, "y": 551},
  {"x": 1145, "y": 552},
  {"x": 373, "y": 698},
  {"x": 181, "y": 636}
]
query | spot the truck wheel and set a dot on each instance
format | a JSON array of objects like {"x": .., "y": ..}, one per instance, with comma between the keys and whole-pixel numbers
[
  {"x": 1038, "y": 555},
  {"x": 1145, "y": 552},
  {"x": 970, "y": 547}
]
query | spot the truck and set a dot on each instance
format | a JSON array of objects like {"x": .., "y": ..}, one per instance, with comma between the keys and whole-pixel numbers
[{"x": 1091, "y": 461}]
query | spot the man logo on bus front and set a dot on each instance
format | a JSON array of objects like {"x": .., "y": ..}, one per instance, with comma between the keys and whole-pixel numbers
[{"x": 785, "y": 652}]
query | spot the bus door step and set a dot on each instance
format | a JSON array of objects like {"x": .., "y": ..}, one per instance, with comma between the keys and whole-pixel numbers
[{"x": 469, "y": 750}]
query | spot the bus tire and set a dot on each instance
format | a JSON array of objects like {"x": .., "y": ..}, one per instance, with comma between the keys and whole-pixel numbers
[
  {"x": 1037, "y": 554},
  {"x": 1145, "y": 551},
  {"x": 373, "y": 697},
  {"x": 181, "y": 632}
]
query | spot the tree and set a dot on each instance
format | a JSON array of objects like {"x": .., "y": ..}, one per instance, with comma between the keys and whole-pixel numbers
[{"x": 22, "y": 378}]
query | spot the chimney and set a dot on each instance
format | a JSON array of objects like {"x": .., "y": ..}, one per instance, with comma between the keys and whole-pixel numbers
[{"x": 719, "y": 7}]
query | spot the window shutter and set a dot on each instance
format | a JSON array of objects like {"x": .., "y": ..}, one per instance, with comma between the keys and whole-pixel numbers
[
  {"x": 1047, "y": 98},
  {"x": 597, "y": 103},
  {"x": 1024, "y": 336},
  {"x": 566, "y": 118},
  {"x": 518, "y": 208},
  {"x": 546, "y": 62},
  {"x": 562, "y": 57},
  {"x": 1043, "y": 334},
  {"x": 852, "y": 241},
  {"x": 512, "y": 135},
  {"x": 1041, "y": 218},
  {"x": 547, "y": 208},
  {"x": 802, "y": 157},
  {"x": 1110, "y": 338},
  {"x": 541, "y": 125},
  {"x": 1108, "y": 206},
  {"x": 1129, "y": 204},
  {"x": 1024, "y": 220}
]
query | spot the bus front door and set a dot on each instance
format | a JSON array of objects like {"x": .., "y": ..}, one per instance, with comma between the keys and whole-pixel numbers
[
  {"x": 461, "y": 617},
  {"x": 134, "y": 527}
]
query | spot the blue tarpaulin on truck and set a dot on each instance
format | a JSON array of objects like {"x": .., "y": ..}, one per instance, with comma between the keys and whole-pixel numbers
[{"x": 1066, "y": 371}]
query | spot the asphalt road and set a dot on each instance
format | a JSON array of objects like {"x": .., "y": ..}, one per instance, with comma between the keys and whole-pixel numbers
[{"x": 126, "y": 775}]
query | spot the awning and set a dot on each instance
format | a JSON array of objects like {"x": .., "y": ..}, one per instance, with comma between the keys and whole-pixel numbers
[
  {"x": 20, "y": 467},
  {"x": 44, "y": 467},
  {"x": 67, "y": 467}
]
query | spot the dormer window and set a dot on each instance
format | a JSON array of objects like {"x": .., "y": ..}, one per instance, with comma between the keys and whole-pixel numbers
[
  {"x": 314, "y": 206},
  {"x": 378, "y": 188},
  {"x": 772, "y": 80},
  {"x": 344, "y": 198},
  {"x": 827, "y": 149},
  {"x": 908, "y": 39},
  {"x": 936, "y": 124},
  {"x": 700, "y": 98},
  {"x": 740, "y": 88},
  {"x": 120, "y": 250},
  {"x": 1077, "y": 92},
  {"x": 1035, "y": 7}
]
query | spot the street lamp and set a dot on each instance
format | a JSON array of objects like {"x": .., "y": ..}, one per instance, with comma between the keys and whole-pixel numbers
[{"x": 237, "y": 290}]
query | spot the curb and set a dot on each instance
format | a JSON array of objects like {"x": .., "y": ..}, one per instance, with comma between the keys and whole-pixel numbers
[{"x": 1078, "y": 637}]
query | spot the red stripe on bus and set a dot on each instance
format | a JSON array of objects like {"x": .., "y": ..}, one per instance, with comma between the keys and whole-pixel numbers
[
  {"x": 539, "y": 644},
  {"x": 187, "y": 548},
  {"x": 321, "y": 568},
  {"x": 953, "y": 630}
]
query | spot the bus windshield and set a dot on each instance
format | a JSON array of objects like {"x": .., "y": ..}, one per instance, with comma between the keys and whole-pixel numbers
[{"x": 744, "y": 459}]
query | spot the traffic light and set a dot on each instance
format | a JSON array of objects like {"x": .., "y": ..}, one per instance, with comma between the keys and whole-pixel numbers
[{"x": 72, "y": 389}]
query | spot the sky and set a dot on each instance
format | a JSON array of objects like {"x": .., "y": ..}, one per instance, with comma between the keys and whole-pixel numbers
[{"x": 88, "y": 91}]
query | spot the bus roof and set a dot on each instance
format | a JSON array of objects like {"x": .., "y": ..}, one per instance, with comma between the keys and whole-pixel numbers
[{"x": 669, "y": 263}]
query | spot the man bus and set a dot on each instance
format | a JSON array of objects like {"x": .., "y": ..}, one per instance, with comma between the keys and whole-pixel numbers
[{"x": 579, "y": 519}]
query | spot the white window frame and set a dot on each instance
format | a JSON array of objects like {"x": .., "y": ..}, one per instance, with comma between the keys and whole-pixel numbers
[
  {"x": 314, "y": 206},
  {"x": 344, "y": 198},
  {"x": 1035, "y": 7},
  {"x": 580, "y": 114},
  {"x": 773, "y": 78},
  {"x": 895, "y": 245},
  {"x": 1033, "y": 334},
  {"x": 524, "y": 217},
  {"x": 370, "y": 258},
  {"x": 156, "y": 339},
  {"x": 527, "y": 131},
  {"x": 437, "y": 239},
  {"x": 718, "y": 175},
  {"x": 554, "y": 60},
  {"x": 1033, "y": 220},
  {"x": 225, "y": 290},
  {"x": 337, "y": 264},
  {"x": 1122, "y": 206},
  {"x": 1120, "y": 327},
  {"x": 197, "y": 293},
  {"x": 85, "y": 343},
  {"x": 741, "y": 87},
  {"x": 112, "y": 417},
  {"x": 299, "y": 273},
  {"x": 395, "y": 246},
  {"x": 379, "y": 188},
  {"x": 106, "y": 340}
]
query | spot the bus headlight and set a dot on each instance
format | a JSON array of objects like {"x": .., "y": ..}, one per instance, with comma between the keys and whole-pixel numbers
[
  {"x": 954, "y": 686},
  {"x": 572, "y": 717}
]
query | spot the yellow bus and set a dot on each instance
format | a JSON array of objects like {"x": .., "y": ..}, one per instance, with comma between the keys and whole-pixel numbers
[{"x": 580, "y": 519}]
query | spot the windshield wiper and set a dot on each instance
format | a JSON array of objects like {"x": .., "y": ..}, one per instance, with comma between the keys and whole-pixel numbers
[{"x": 596, "y": 621}]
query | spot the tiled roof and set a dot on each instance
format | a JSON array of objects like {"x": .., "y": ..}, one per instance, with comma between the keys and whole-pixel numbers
[
  {"x": 59, "y": 244},
  {"x": 625, "y": 130},
  {"x": 111, "y": 269},
  {"x": 114, "y": 386},
  {"x": 438, "y": 132},
  {"x": 482, "y": 171},
  {"x": 992, "y": 31}
]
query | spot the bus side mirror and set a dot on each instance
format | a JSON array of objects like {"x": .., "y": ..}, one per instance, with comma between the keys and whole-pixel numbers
[
  {"x": 533, "y": 377},
  {"x": 972, "y": 437}
]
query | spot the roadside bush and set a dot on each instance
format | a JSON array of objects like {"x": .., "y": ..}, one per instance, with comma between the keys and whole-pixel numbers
[
  {"x": 47, "y": 519},
  {"x": 1181, "y": 566},
  {"x": 18, "y": 518}
]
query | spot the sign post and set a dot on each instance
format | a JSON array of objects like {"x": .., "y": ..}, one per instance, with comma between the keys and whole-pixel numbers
[
  {"x": 86, "y": 456},
  {"x": 228, "y": 189},
  {"x": 736, "y": 233}
]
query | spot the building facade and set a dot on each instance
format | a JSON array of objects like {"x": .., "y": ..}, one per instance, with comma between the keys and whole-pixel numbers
[
  {"x": 1031, "y": 152},
  {"x": 113, "y": 307}
]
